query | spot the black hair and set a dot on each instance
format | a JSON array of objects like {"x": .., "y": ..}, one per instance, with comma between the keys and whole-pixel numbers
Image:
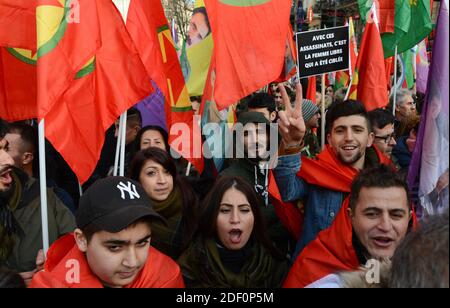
[
  {"x": 346, "y": 109},
  {"x": 3, "y": 128},
  {"x": 211, "y": 207},
  {"x": 202, "y": 10},
  {"x": 92, "y": 228},
  {"x": 189, "y": 220},
  {"x": 162, "y": 131},
  {"x": 262, "y": 100},
  {"x": 196, "y": 98},
  {"x": 28, "y": 134},
  {"x": 134, "y": 117},
  {"x": 380, "y": 118},
  {"x": 381, "y": 176}
]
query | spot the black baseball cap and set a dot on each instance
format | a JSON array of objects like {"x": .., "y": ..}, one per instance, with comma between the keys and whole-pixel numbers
[{"x": 114, "y": 203}]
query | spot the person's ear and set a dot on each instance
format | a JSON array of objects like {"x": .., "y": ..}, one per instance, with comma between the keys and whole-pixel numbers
[
  {"x": 27, "y": 158},
  {"x": 137, "y": 128},
  {"x": 329, "y": 139},
  {"x": 81, "y": 240},
  {"x": 273, "y": 116},
  {"x": 350, "y": 212},
  {"x": 370, "y": 139}
]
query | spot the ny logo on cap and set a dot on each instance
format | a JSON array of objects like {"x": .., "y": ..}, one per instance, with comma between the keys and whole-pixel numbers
[{"x": 130, "y": 189}]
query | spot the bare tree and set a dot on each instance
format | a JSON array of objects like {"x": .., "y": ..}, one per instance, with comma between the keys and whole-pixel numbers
[{"x": 181, "y": 12}]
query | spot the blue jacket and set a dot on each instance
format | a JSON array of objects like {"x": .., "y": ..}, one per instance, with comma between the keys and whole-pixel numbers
[
  {"x": 402, "y": 153},
  {"x": 321, "y": 205}
]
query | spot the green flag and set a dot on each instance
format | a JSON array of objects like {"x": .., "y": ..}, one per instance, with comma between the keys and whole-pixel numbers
[
  {"x": 412, "y": 24},
  {"x": 364, "y": 7},
  {"x": 407, "y": 58}
]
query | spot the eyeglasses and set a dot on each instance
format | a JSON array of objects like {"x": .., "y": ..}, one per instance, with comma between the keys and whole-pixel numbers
[{"x": 387, "y": 139}]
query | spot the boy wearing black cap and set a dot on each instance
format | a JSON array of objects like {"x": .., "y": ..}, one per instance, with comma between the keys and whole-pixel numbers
[{"x": 111, "y": 246}]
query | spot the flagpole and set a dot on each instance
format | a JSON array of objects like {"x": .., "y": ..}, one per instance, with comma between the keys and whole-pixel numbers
[
  {"x": 322, "y": 132},
  {"x": 188, "y": 169},
  {"x": 119, "y": 142},
  {"x": 122, "y": 149},
  {"x": 351, "y": 74},
  {"x": 43, "y": 187},
  {"x": 122, "y": 6},
  {"x": 349, "y": 88},
  {"x": 394, "y": 104}
]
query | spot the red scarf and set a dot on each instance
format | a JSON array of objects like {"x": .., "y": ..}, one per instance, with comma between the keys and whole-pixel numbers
[
  {"x": 329, "y": 172},
  {"x": 289, "y": 215},
  {"x": 332, "y": 251},
  {"x": 158, "y": 272}
]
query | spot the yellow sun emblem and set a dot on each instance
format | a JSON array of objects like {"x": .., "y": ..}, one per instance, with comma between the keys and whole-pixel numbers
[{"x": 51, "y": 25}]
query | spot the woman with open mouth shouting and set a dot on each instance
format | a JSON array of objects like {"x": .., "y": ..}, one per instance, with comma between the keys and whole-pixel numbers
[{"x": 230, "y": 248}]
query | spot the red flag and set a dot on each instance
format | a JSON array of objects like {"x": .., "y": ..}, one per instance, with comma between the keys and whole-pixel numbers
[
  {"x": 387, "y": 16},
  {"x": 83, "y": 77},
  {"x": 17, "y": 66},
  {"x": 331, "y": 251},
  {"x": 18, "y": 84},
  {"x": 63, "y": 53},
  {"x": 290, "y": 59},
  {"x": 369, "y": 81},
  {"x": 148, "y": 26},
  {"x": 249, "y": 45},
  {"x": 99, "y": 92},
  {"x": 311, "y": 91},
  {"x": 389, "y": 65},
  {"x": 289, "y": 215},
  {"x": 18, "y": 24},
  {"x": 329, "y": 80},
  {"x": 353, "y": 47}
]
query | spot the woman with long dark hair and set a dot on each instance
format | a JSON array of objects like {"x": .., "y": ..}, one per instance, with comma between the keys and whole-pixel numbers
[
  {"x": 172, "y": 198},
  {"x": 231, "y": 248}
]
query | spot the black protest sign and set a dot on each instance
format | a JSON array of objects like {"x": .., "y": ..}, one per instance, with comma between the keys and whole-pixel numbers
[{"x": 323, "y": 51}]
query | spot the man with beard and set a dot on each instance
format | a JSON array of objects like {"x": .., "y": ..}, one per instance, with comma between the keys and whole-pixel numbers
[
  {"x": 405, "y": 108},
  {"x": 252, "y": 149},
  {"x": 20, "y": 217},
  {"x": 6, "y": 162},
  {"x": 324, "y": 182}
]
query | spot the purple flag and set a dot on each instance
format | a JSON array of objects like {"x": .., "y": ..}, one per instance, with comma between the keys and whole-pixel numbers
[
  {"x": 422, "y": 67},
  {"x": 152, "y": 109},
  {"x": 430, "y": 158}
]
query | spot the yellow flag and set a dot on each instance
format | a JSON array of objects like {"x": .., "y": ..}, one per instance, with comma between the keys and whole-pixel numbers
[{"x": 197, "y": 50}]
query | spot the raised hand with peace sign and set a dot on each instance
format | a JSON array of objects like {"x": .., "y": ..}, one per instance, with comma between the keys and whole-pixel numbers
[{"x": 291, "y": 123}]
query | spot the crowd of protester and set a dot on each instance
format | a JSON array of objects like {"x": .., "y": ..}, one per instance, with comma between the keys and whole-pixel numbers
[{"x": 158, "y": 227}]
